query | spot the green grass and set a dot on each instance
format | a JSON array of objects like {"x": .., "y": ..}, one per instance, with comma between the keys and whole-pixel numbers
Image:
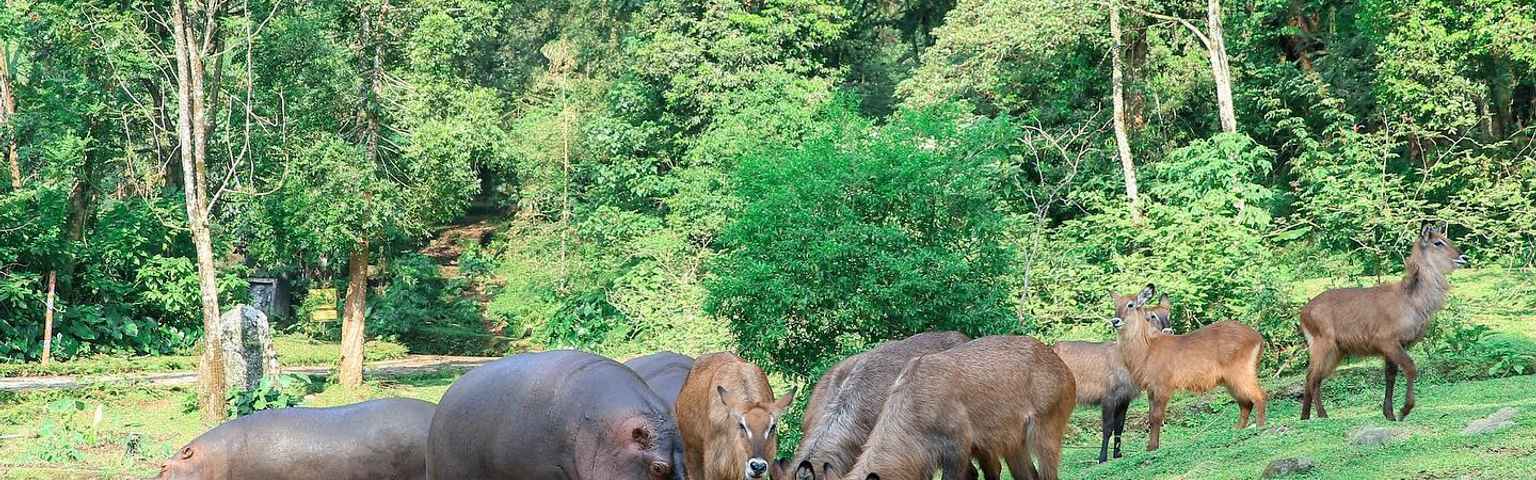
[
  {"x": 1199, "y": 441},
  {"x": 162, "y": 419},
  {"x": 292, "y": 350}
]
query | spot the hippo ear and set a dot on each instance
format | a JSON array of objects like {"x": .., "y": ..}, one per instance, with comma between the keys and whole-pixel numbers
[
  {"x": 186, "y": 452},
  {"x": 785, "y": 400},
  {"x": 643, "y": 437}
]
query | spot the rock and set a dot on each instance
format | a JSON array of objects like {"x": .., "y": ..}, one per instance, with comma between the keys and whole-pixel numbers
[
  {"x": 1504, "y": 418},
  {"x": 1287, "y": 466},
  {"x": 247, "y": 345},
  {"x": 1373, "y": 436}
]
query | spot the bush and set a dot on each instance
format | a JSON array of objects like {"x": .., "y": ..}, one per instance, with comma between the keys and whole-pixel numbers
[
  {"x": 865, "y": 235},
  {"x": 268, "y": 394},
  {"x": 426, "y": 311}
]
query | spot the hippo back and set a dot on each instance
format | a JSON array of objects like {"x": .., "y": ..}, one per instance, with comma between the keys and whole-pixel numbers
[
  {"x": 664, "y": 372},
  {"x": 560, "y": 414},
  {"x": 384, "y": 438}
]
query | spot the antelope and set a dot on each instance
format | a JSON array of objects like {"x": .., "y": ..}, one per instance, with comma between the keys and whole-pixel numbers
[
  {"x": 728, "y": 419},
  {"x": 1383, "y": 321},
  {"x": 846, "y": 403},
  {"x": 1005, "y": 397},
  {"x": 1101, "y": 377},
  {"x": 1223, "y": 353}
]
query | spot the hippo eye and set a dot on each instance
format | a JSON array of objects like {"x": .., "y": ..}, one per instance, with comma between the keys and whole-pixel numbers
[{"x": 660, "y": 469}]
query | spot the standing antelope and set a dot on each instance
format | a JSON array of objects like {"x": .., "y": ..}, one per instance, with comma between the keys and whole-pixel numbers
[
  {"x": 1002, "y": 397},
  {"x": 1101, "y": 377},
  {"x": 728, "y": 419},
  {"x": 1222, "y": 353},
  {"x": 1383, "y": 320}
]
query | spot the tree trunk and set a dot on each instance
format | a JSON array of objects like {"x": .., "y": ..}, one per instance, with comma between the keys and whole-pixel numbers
[
  {"x": 352, "y": 330},
  {"x": 8, "y": 114},
  {"x": 48, "y": 320},
  {"x": 1136, "y": 60},
  {"x": 1122, "y": 140},
  {"x": 1501, "y": 93},
  {"x": 1221, "y": 72},
  {"x": 191, "y": 132}
]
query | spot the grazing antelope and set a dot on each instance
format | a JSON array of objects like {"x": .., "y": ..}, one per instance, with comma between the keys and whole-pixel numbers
[
  {"x": 1101, "y": 377},
  {"x": 847, "y": 401},
  {"x": 728, "y": 419},
  {"x": 1002, "y": 397},
  {"x": 1383, "y": 320},
  {"x": 1223, "y": 353}
]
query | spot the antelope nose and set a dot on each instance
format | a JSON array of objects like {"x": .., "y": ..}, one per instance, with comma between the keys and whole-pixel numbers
[
  {"x": 758, "y": 466},
  {"x": 1462, "y": 260}
]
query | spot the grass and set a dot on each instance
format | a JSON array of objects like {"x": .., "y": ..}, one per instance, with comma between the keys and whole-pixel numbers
[{"x": 292, "y": 350}]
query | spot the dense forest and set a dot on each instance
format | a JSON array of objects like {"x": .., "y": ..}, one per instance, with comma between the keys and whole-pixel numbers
[{"x": 793, "y": 179}]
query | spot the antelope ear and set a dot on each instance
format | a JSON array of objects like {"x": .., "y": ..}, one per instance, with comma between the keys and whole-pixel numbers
[
  {"x": 725, "y": 396},
  {"x": 1163, "y": 300},
  {"x": 1146, "y": 294},
  {"x": 784, "y": 401},
  {"x": 873, "y": 476}
]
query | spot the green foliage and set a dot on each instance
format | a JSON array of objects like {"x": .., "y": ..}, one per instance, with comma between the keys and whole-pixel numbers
[
  {"x": 268, "y": 394},
  {"x": 841, "y": 245},
  {"x": 425, "y": 311}
]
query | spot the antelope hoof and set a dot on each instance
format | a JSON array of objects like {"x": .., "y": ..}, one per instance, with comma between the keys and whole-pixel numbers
[
  {"x": 1387, "y": 412},
  {"x": 1403, "y": 415}
]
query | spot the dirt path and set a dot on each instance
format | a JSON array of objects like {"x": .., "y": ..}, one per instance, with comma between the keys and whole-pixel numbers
[{"x": 388, "y": 368}]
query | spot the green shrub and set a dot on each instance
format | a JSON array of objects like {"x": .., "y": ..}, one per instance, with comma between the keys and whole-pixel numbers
[
  {"x": 268, "y": 394},
  {"x": 425, "y": 311},
  {"x": 864, "y": 235}
]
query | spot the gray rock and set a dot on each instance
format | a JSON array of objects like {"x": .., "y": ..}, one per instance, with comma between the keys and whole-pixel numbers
[
  {"x": 247, "y": 344},
  {"x": 1373, "y": 436},
  {"x": 1502, "y": 419},
  {"x": 1287, "y": 466}
]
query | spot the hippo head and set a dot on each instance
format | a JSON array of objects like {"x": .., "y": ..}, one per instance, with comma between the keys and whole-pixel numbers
[
  {"x": 189, "y": 463},
  {"x": 757, "y": 430},
  {"x": 652, "y": 449}
]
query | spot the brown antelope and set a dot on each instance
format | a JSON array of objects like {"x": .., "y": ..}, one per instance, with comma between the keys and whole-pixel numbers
[
  {"x": 1223, "y": 353},
  {"x": 1383, "y": 321},
  {"x": 728, "y": 419},
  {"x": 1002, "y": 397},
  {"x": 1101, "y": 377},
  {"x": 847, "y": 401}
]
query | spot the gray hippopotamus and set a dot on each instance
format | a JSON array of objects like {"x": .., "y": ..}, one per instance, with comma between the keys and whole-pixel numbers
[
  {"x": 559, "y": 415},
  {"x": 664, "y": 372},
  {"x": 376, "y": 439}
]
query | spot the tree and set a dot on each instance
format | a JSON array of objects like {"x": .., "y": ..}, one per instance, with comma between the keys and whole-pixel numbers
[
  {"x": 1122, "y": 141},
  {"x": 1216, "y": 49},
  {"x": 195, "y": 33},
  {"x": 866, "y": 234}
]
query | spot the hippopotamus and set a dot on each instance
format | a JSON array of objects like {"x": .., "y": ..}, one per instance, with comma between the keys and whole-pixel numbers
[
  {"x": 664, "y": 372},
  {"x": 376, "y": 439},
  {"x": 561, "y": 414}
]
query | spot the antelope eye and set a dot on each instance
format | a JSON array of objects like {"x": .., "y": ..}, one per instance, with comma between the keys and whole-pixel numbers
[
  {"x": 1439, "y": 243},
  {"x": 1130, "y": 305}
]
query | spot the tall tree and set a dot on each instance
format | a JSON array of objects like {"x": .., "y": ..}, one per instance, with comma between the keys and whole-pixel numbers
[
  {"x": 194, "y": 31},
  {"x": 8, "y": 112},
  {"x": 1122, "y": 140},
  {"x": 1221, "y": 71},
  {"x": 352, "y": 326}
]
